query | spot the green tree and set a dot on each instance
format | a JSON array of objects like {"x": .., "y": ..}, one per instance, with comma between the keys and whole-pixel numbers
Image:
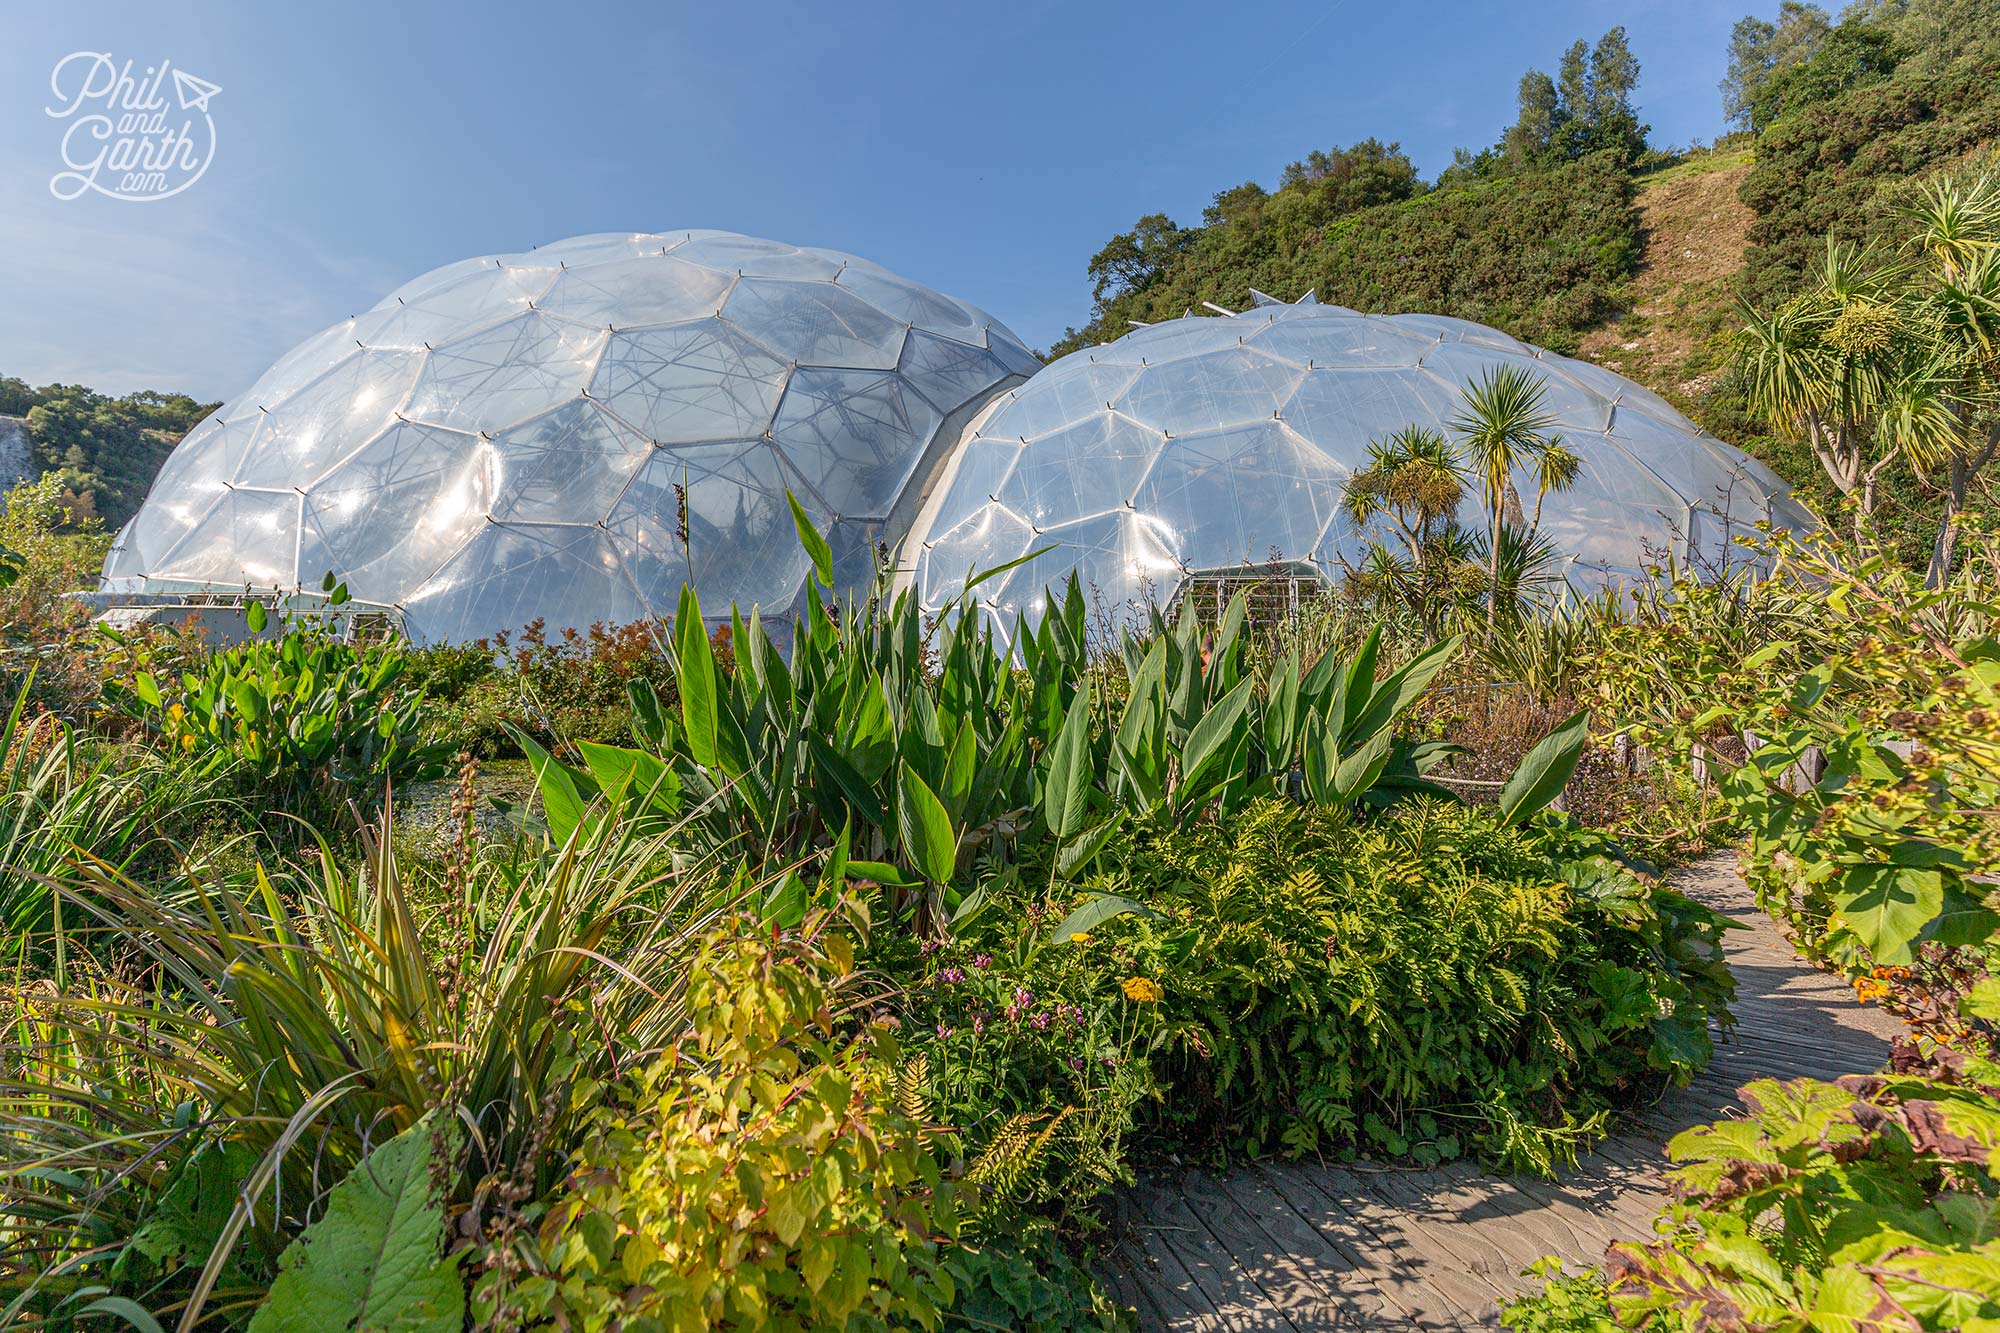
[
  {"x": 1886, "y": 360},
  {"x": 1413, "y": 486},
  {"x": 1760, "y": 49},
  {"x": 1586, "y": 108},
  {"x": 1347, "y": 180},
  {"x": 1133, "y": 261},
  {"x": 1503, "y": 429}
]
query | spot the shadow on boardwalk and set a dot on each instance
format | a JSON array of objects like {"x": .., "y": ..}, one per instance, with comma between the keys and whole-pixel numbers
[{"x": 1294, "y": 1246}]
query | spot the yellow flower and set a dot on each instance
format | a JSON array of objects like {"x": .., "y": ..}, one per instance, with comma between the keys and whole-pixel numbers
[
  {"x": 175, "y": 712},
  {"x": 1079, "y": 937},
  {"x": 1143, "y": 990},
  {"x": 187, "y": 741}
]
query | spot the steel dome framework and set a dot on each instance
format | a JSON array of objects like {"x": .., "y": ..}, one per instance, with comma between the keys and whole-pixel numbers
[
  {"x": 569, "y": 433},
  {"x": 1214, "y": 444}
]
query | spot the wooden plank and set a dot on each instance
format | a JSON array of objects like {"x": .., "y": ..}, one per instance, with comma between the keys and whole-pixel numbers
[
  {"x": 1313, "y": 1283},
  {"x": 1300, "y": 1248},
  {"x": 1178, "y": 1298},
  {"x": 1331, "y": 1197},
  {"x": 1239, "y": 1307}
]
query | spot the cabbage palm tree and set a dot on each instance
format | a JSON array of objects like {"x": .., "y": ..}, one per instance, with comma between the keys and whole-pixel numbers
[
  {"x": 1958, "y": 235},
  {"x": 1413, "y": 482},
  {"x": 1886, "y": 360},
  {"x": 1503, "y": 428}
]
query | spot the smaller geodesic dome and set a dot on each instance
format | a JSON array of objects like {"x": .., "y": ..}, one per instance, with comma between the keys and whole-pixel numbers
[
  {"x": 1208, "y": 445},
  {"x": 569, "y": 433}
]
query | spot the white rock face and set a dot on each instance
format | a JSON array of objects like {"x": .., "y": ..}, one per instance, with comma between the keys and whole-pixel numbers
[{"x": 568, "y": 434}]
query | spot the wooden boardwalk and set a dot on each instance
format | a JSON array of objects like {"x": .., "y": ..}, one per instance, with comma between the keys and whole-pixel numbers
[{"x": 1301, "y": 1247}]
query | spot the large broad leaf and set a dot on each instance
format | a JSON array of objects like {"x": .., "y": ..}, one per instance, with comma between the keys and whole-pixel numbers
[
  {"x": 1078, "y": 854},
  {"x": 694, "y": 669},
  {"x": 1544, "y": 771},
  {"x": 1357, "y": 772},
  {"x": 1887, "y": 907},
  {"x": 563, "y": 788},
  {"x": 1097, "y": 909},
  {"x": 814, "y": 544},
  {"x": 1217, "y": 727},
  {"x": 1066, "y": 788},
  {"x": 1397, "y": 693},
  {"x": 371, "y": 1260},
  {"x": 927, "y": 836},
  {"x": 633, "y": 773}
]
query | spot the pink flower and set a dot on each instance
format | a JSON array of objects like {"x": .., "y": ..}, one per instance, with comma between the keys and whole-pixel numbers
[
  {"x": 1041, "y": 1021},
  {"x": 943, "y": 1031},
  {"x": 950, "y": 976},
  {"x": 983, "y": 961}
]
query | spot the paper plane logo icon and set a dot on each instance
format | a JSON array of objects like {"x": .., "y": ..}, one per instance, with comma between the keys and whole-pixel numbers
[{"x": 194, "y": 93}]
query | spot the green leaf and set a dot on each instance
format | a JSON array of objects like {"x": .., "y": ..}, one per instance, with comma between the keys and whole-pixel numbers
[
  {"x": 371, "y": 1260},
  {"x": 1066, "y": 790},
  {"x": 563, "y": 803},
  {"x": 1078, "y": 853},
  {"x": 1217, "y": 727},
  {"x": 694, "y": 670},
  {"x": 1983, "y": 1000},
  {"x": 1097, "y": 909},
  {"x": 1544, "y": 771},
  {"x": 926, "y": 829},
  {"x": 146, "y": 688},
  {"x": 256, "y": 617},
  {"x": 814, "y": 544},
  {"x": 1887, "y": 907},
  {"x": 1357, "y": 772},
  {"x": 650, "y": 726},
  {"x": 1397, "y": 693}
]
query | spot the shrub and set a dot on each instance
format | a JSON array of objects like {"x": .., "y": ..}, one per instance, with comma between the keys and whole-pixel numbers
[
  {"x": 765, "y": 1173},
  {"x": 1866, "y": 1203},
  {"x": 558, "y": 690},
  {"x": 304, "y": 720},
  {"x": 173, "y": 1120},
  {"x": 1425, "y": 983}
]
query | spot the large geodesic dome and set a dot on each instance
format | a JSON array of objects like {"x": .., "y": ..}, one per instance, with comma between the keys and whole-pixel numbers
[
  {"x": 569, "y": 433},
  {"x": 1213, "y": 444}
]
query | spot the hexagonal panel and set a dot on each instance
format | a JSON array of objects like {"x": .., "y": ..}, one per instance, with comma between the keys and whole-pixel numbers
[
  {"x": 948, "y": 373},
  {"x": 628, "y": 293},
  {"x": 914, "y": 304},
  {"x": 1241, "y": 496},
  {"x": 855, "y": 436},
  {"x": 1061, "y": 396},
  {"x": 568, "y": 465},
  {"x": 1226, "y": 387},
  {"x": 753, "y": 257},
  {"x": 986, "y": 538},
  {"x": 740, "y": 544},
  {"x": 388, "y": 517},
  {"x": 1341, "y": 411},
  {"x": 700, "y": 381},
  {"x": 247, "y": 539},
  {"x": 815, "y": 323},
  {"x": 512, "y": 575},
  {"x": 489, "y": 380},
  {"x": 1087, "y": 469},
  {"x": 448, "y": 311},
  {"x": 328, "y": 419}
]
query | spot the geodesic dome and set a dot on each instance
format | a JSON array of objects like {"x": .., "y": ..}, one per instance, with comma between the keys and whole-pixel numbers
[
  {"x": 1215, "y": 444},
  {"x": 569, "y": 433}
]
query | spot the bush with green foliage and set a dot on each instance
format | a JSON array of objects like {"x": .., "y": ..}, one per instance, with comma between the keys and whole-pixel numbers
[
  {"x": 1871, "y": 1202},
  {"x": 307, "y": 719},
  {"x": 1425, "y": 982},
  {"x": 105, "y": 451},
  {"x": 1540, "y": 255}
]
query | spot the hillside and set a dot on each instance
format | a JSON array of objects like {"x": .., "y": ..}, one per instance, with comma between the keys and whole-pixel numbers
[{"x": 1679, "y": 306}]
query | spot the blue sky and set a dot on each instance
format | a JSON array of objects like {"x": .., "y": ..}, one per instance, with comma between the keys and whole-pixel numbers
[{"x": 986, "y": 150}]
